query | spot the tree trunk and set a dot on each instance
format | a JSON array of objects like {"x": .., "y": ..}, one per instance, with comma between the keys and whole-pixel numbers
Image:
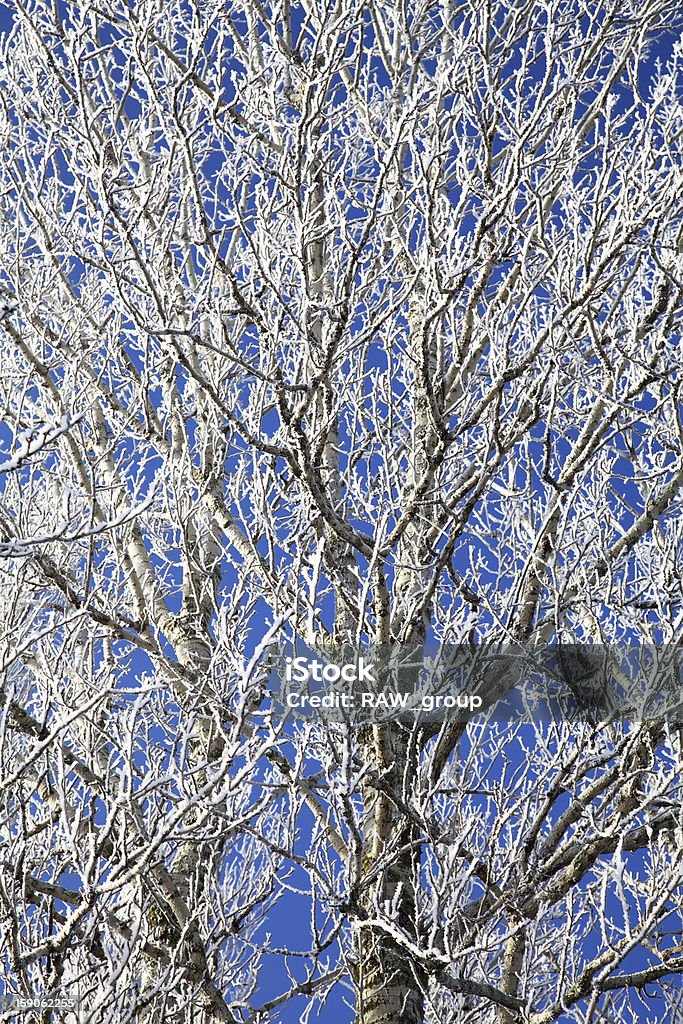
[{"x": 389, "y": 983}]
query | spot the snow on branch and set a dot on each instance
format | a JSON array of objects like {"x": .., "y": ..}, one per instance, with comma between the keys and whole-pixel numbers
[
  {"x": 32, "y": 443},
  {"x": 23, "y": 546}
]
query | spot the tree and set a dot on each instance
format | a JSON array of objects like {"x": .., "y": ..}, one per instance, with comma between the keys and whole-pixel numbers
[{"x": 353, "y": 324}]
